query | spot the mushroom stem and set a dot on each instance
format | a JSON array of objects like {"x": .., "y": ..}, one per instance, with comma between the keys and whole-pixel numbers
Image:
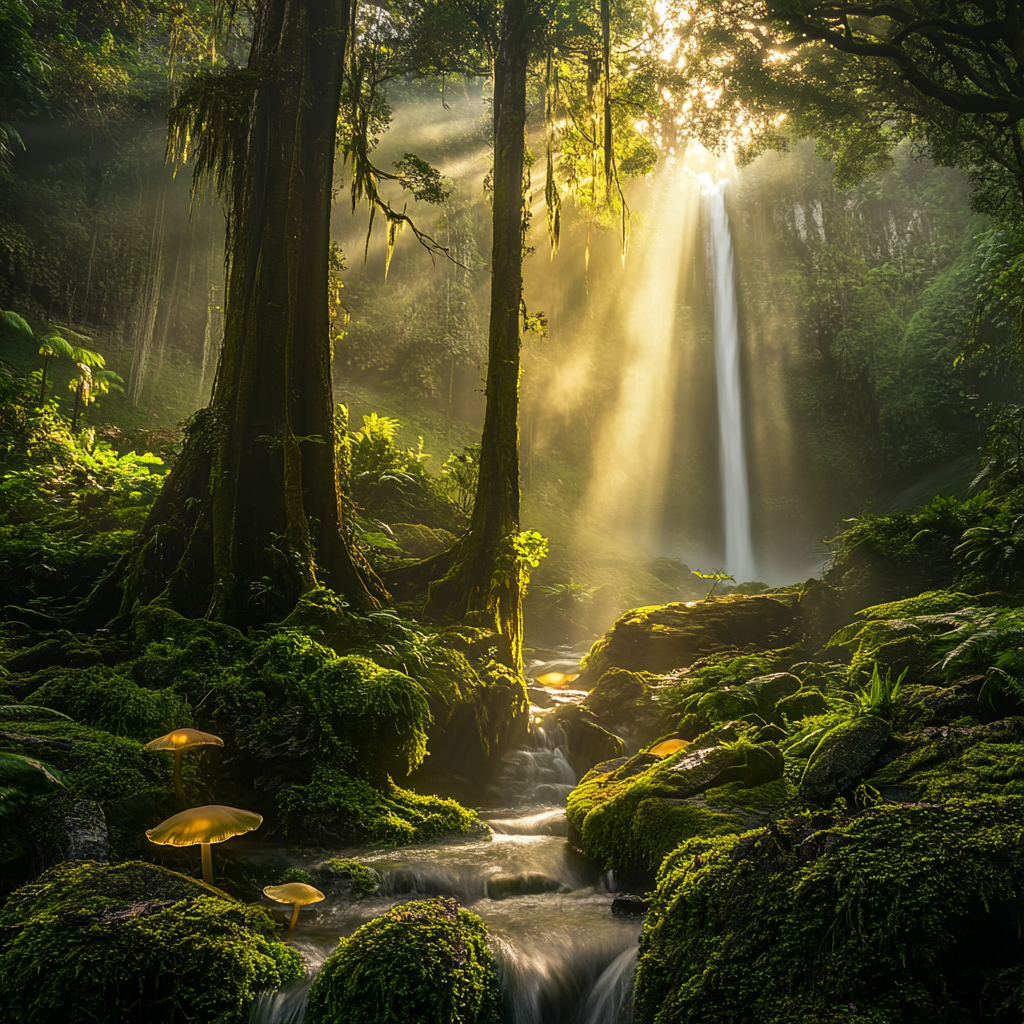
[
  {"x": 178, "y": 787},
  {"x": 207, "y": 863},
  {"x": 291, "y": 923}
]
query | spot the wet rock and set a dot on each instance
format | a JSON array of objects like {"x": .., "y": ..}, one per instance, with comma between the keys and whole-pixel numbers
[
  {"x": 86, "y": 827},
  {"x": 540, "y": 697},
  {"x": 626, "y": 704},
  {"x": 844, "y": 755},
  {"x": 501, "y": 887},
  {"x": 672, "y": 636},
  {"x": 586, "y": 742},
  {"x": 636, "y": 764},
  {"x": 630, "y": 905}
]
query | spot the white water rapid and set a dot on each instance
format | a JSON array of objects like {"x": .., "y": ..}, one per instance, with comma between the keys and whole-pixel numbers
[{"x": 739, "y": 548}]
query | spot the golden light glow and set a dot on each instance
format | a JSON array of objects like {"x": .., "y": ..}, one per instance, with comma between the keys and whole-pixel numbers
[
  {"x": 557, "y": 679},
  {"x": 667, "y": 747}
]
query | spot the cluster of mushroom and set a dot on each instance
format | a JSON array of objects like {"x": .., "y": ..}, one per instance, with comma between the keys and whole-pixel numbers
[{"x": 214, "y": 823}]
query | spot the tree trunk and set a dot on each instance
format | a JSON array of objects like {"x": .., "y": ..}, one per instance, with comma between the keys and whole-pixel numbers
[
  {"x": 250, "y": 517},
  {"x": 42, "y": 383},
  {"x": 485, "y": 582},
  {"x": 78, "y": 407}
]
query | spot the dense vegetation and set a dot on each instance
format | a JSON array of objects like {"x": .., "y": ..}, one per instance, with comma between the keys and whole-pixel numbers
[{"x": 819, "y": 785}]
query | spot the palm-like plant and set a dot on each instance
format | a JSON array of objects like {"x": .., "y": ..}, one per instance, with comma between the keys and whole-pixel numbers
[
  {"x": 92, "y": 382},
  {"x": 54, "y": 343}
]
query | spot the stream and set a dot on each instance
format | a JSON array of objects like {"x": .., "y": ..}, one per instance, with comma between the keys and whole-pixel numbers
[{"x": 563, "y": 957}]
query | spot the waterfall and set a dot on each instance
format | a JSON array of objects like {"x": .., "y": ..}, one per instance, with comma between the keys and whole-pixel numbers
[{"x": 739, "y": 548}]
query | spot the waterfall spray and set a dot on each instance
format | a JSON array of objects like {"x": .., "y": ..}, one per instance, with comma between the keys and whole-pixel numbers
[{"x": 739, "y": 548}]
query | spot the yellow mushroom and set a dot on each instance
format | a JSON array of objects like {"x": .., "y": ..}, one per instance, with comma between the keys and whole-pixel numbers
[
  {"x": 204, "y": 825},
  {"x": 296, "y": 893},
  {"x": 666, "y": 747},
  {"x": 179, "y": 741}
]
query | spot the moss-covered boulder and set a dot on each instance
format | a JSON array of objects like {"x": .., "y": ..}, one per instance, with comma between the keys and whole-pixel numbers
[
  {"x": 426, "y": 962},
  {"x": 665, "y": 637},
  {"x": 897, "y": 916},
  {"x": 134, "y": 944},
  {"x": 132, "y": 787},
  {"x": 843, "y": 755},
  {"x": 626, "y": 704},
  {"x": 944, "y": 763},
  {"x": 630, "y": 815}
]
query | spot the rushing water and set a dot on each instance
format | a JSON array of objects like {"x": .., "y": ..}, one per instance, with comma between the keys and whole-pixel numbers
[
  {"x": 739, "y": 548},
  {"x": 563, "y": 958}
]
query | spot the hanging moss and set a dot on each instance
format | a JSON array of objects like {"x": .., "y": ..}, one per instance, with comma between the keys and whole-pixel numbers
[
  {"x": 899, "y": 915},
  {"x": 134, "y": 944},
  {"x": 426, "y": 962}
]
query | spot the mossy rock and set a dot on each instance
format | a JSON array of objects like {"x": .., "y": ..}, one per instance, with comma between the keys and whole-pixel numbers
[
  {"x": 625, "y": 818},
  {"x": 626, "y": 704},
  {"x": 421, "y": 541},
  {"x": 105, "y": 699},
  {"x": 134, "y": 944},
  {"x": 900, "y": 915},
  {"x": 661, "y": 638},
  {"x": 426, "y": 962},
  {"x": 957, "y": 764},
  {"x": 843, "y": 756},
  {"x": 363, "y": 881},
  {"x": 334, "y": 807},
  {"x": 132, "y": 785}
]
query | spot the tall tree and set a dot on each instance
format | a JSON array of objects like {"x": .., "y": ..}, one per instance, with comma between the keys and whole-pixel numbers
[
  {"x": 483, "y": 576},
  {"x": 250, "y": 517}
]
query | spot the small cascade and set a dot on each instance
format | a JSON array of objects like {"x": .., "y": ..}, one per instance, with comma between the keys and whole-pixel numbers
[
  {"x": 611, "y": 999},
  {"x": 739, "y": 547},
  {"x": 583, "y": 976},
  {"x": 563, "y": 957},
  {"x": 536, "y": 774},
  {"x": 287, "y": 1004}
]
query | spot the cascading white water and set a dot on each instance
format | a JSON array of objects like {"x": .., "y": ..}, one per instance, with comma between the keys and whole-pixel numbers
[{"x": 739, "y": 548}]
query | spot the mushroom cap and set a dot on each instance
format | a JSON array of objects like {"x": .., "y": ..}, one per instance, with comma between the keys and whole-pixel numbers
[
  {"x": 294, "y": 892},
  {"x": 666, "y": 747},
  {"x": 210, "y": 824},
  {"x": 182, "y": 739}
]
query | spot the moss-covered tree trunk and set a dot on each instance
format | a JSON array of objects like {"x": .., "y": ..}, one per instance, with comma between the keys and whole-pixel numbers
[
  {"x": 250, "y": 517},
  {"x": 485, "y": 582}
]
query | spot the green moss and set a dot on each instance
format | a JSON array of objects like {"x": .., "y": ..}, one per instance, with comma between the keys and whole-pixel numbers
[
  {"x": 633, "y": 815},
  {"x": 904, "y": 914},
  {"x": 426, "y": 962},
  {"x": 937, "y": 772},
  {"x": 365, "y": 881},
  {"x": 131, "y": 784},
  {"x": 334, "y": 806},
  {"x": 659, "y": 826},
  {"x": 134, "y": 943},
  {"x": 294, "y": 875},
  {"x": 102, "y": 698}
]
